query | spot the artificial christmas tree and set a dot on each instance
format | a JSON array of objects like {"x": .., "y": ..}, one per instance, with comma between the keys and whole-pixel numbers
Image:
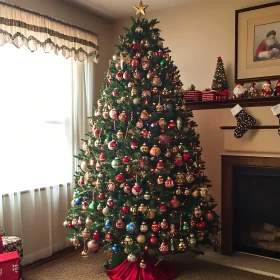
[
  {"x": 219, "y": 82},
  {"x": 140, "y": 188}
]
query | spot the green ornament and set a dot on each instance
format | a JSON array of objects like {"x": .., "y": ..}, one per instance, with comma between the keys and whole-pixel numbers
[
  {"x": 76, "y": 194},
  {"x": 163, "y": 62},
  {"x": 91, "y": 206},
  {"x": 186, "y": 226}
]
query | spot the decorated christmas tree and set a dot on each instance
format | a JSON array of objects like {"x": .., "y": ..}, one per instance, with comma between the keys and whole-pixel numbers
[
  {"x": 219, "y": 82},
  {"x": 141, "y": 188}
]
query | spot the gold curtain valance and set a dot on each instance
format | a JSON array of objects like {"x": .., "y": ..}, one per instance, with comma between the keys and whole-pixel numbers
[{"x": 25, "y": 28}]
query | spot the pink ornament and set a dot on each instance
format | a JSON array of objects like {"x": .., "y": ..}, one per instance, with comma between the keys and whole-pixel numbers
[
  {"x": 120, "y": 224},
  {"x": 123, "y": 117},
  {"x": 126, "y": 75},
  {"x": 93, "y": 246}
]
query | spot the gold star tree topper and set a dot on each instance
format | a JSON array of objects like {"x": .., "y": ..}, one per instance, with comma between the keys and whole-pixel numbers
[{"x": 140, "y": 9}]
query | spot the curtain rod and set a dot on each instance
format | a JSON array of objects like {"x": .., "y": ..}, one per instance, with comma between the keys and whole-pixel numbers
[{"x": 48, "y": 17}]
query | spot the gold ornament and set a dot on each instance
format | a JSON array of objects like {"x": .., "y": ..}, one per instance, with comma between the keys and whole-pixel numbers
[
  {"x": 140, "y": 9},
  {"x": 84, "y": 254},
  {"x": 189, "y": 178},
  {"x": 151, "y": 214},
  {"x": 141, "y": 238},
  {"x": 182, "y": 246},
  {"x": 143, "y": 264}
]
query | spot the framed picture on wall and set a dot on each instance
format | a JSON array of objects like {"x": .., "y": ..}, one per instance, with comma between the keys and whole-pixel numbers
[{"x": 257, "y": 43}]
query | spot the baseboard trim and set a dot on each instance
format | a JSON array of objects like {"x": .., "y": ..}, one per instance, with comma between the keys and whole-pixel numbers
[{"x": 55, "y": 255}]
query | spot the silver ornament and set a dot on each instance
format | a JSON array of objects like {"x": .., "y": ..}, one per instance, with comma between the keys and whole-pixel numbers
[{"x": 179, "y": 123}]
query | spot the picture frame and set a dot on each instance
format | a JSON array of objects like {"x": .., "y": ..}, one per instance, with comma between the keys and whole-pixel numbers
[{"x": 257, "y": 49}]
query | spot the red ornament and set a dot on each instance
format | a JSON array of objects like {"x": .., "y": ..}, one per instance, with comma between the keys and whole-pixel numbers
[
  {"x": 135, "y": 46},
  {"x": 142, "y": 163},
  {"x": 172, "y": 124},
  {"x": 192, "y": 223},
  {"x": 101, "y": 196},
  {"x": 178, "y": 161},
  {"x": 164, "y": 224},
  {"x": 144, "y": 116},
  {"x": 153, "y": 240},
  {"x": 105, "y": 114},
  {"x": 175, "y": 149},
  {"x": 154, "y": 125},
  {"x": 102, "y": 157},
  {"x": 163, "y": 207},
  {"x": 114, "y": 113},
  {"x": 145, "y": 133},
  {"x": 119, "y": 76},
  {"x": 125, "y": 160},
  {"x": 201, "y": 225},
  {"x": 120, "y": 224},
  {"x": 125, "y": 209},
  {"x": 126, "y": 75},
  {"x": 110, "y": 202},
  {"x": 175, "y": 203},
  {"x": 150, "y": 75},
  {"x": 137, "y": 75},
  {"x": 96, "y": 132},
  {"x": 69, "y": 224},
  {"x": 169, "y": 183},
  {"x": 93, "y": 246},
  {"x": 186, "y": 156},
  {"x": 115, "y": 92},
  {"x": 160, "y": 180},
  {"x": 112, "y": 145},
  {"x": 136, "y": 189},
  {"x": 210, "y": 216},
  {"x": 164, "y": 139},
  {"x": 96, "y": 235},
  {"x": 109, "y": 237},
  {"x": 123, "y": 116},
  {"x": 134, "y": 145},
  {"x": 80, "y": 222},
  {"x": 155, "y": 227},
  {"x": 160, "y": 53},
  {"x": 160, "y": 164},
  {"x": 120, "y": 178}
]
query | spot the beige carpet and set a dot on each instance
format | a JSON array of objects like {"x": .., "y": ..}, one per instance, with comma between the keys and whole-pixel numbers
[{"x": 73, "y": 267}]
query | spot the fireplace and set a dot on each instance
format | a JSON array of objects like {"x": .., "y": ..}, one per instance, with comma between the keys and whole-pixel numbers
[{"x": 250, "y": 205}]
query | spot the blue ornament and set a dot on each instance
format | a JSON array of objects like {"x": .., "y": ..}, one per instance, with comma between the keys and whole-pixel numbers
[
  {"x": 131, "y": 228},
  {"x": 115, "y": 249},
  {"x": 169, "y": 107},
  {"x": 108, "y": 224},
  {"x": 78, "y": 201}
]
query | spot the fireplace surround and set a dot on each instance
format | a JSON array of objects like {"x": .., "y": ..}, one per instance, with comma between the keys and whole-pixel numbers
[{"x": 232, "y": 167}]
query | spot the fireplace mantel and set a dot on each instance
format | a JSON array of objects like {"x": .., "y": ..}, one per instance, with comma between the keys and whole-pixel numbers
[{"x": 228, "y": 162}]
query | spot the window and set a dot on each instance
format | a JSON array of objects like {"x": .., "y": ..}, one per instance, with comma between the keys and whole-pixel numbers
[{"x": 35, "y": 102}]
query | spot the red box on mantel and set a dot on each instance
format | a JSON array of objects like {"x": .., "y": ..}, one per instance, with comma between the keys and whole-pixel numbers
[
  {"x": 10, "y": 266},
  {"x": 209, "y": 95},
  {"x": 193, "y": 95}
]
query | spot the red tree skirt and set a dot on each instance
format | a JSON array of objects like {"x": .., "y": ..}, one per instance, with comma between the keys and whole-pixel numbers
[{"x": 154, "y": 270}]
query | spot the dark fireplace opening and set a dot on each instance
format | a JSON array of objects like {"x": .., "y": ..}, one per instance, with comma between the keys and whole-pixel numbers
[{"x": 256, "y": 210}]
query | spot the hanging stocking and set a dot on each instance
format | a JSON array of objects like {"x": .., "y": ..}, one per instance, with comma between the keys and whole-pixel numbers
[
  {"x": 244, "y": 121},
  {"x": 276, "y": 112}
]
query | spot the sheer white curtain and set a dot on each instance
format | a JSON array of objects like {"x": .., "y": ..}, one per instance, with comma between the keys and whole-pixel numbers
[{"x": 44, "y": 104}]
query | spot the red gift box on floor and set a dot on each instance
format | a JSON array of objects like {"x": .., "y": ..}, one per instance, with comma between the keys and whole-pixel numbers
[
  {"x": 193, "y": 95},
  {"x": 10, "y": 266},
  {"x": 209, "y": 95}
]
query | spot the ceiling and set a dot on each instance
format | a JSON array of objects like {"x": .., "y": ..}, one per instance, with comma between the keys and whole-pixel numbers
[{"x": 124, "y": 8}]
